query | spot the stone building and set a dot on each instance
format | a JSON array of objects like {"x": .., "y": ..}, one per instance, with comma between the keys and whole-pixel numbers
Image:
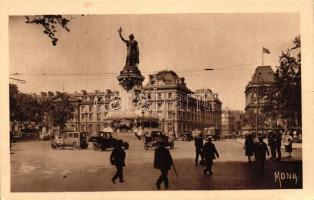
[
  {"x": 178, "y": 108},
  {"x": 92, "y": 108},
  {"x": 231, "y": 123},
  {"x": 262, "y": 80}
]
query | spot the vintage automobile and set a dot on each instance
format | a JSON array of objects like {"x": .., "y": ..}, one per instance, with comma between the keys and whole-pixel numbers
[
  {"x": 76, "y": 140},
  {"x": 151, "y": 140},
  {"x": 104, "y": 140},
  {"x": 186, "y": 136}
]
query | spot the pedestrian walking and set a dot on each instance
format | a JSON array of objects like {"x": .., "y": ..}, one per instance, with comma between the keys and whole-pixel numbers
[
  {"x": 198, "y": 147},
  {"x": 272, "y": 143},
  {"x": 261, "y": 153},
  {"x": 209, "y": 153},
  {"x": 162, "y": 161},
  {"x": 249, "y": 146},
  {"x": 288, "y": 146},
  {"x": 278, "y": 144},
  {"x": 117, "y": 158}
]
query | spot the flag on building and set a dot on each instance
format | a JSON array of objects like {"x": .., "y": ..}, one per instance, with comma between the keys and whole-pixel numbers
[{"x": 266, "y": 50}]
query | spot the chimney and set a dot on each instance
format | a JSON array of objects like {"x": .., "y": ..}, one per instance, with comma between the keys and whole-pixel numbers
[
  {"x": 58, "y": 93},
  {"x": 83, "y": 92},
  {"x": 43, "y": 94},
  {"x": 50, "y": 94}
]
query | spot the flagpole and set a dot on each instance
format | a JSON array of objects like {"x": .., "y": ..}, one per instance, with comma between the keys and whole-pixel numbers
[{"x": 262, "y": 56}]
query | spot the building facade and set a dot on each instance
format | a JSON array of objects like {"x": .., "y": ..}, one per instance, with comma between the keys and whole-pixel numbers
[
  {"x": 255, "y": 120},
  {"x": 231, "y": 123},
  {"x": 177, "y": 107}
]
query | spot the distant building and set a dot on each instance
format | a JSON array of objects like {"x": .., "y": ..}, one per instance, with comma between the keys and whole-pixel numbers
[
  {"x": 178, "y": 108},
  {"x": 262, "y": 80},
  {"x": 92, "y": 110},
  {"x": 231, "y": 123}
]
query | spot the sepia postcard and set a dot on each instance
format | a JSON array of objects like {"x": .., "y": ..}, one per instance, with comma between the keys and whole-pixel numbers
[{"x": 156, "y": 99}]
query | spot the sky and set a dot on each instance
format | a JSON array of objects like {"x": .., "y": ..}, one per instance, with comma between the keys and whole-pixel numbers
[{"x": 231, "y": 44}]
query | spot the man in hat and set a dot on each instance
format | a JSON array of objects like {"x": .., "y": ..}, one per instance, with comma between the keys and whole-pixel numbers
[
  {"x": 272, "y": 142},
  {"x": 278, "y": 144},
  {"x": 162, "y": 161},
  {"x": 209, "y": 153},
  {"x": 117, "y": 158},
  {"x": 198, "y": 147},
  {"x": 261, "y": 153}
]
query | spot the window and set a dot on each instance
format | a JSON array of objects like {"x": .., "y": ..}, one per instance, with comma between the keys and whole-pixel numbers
[
  {"x": 159, "y": 96},
  {"x": 98, "y": 127},
  {"x": 90, "y": 108},
  {"x": 75, "y": 135},
  {"x": 149, "y": 96},
  {"x": 98, "y": 116},
  {"x": 169, "y": 95},
  {"x": 159, "y": 106},
  {"x": 90, "y": 117},
  {"x": 70, "y": 135},
  {"x": 171, "y": 115}
]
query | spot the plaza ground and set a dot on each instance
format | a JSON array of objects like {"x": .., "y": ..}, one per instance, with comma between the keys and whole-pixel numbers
[{"x": 35, "y": 167}]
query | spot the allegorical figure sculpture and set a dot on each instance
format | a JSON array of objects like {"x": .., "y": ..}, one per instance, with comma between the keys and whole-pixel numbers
[{"x": 132, "y": 58}]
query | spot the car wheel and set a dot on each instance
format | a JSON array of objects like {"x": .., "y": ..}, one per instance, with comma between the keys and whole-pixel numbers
[
  {"x": 171, "y": 145},
  {"x": 75, "y": 145},
  {"x": 54, "y": 146},
  {"x": 96, "y": 147},
  {"x": 84, "y": 145},
  {"x": 126, "y": 145},
  {"x": 184, "y": 138},
  {"x": 146, "y": 147}
]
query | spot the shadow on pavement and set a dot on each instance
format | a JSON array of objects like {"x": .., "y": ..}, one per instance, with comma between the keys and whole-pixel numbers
[{"x": 142, "y": 177}]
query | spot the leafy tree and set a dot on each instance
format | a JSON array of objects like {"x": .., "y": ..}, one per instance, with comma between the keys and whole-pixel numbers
[
  {"x": 284, "y": 99},
  {"x": 50, "y": 24},
  {"x": 60, "y": 110},
  {"x": 24, "y": 108}
]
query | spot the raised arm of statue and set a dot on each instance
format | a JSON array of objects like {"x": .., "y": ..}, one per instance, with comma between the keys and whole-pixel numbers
[{"x": 120, "y": 31}]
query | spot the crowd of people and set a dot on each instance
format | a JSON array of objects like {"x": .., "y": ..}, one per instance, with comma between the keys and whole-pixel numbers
[
  {"x": 163, "y": 160},
  {"x": 204, "y": 155},
  {"x": 259, "y": 148}
]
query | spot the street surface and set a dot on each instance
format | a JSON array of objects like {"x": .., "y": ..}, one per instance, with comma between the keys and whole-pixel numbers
[{"x": 35, "y": 167}]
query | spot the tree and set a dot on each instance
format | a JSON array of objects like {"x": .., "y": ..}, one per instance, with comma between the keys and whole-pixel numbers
[
  {"x": 24, "y": 108},
  {"x": 284, "y": 99},
  {"x": 50, "y": 24},
  {"x": 60, "y": 110}
]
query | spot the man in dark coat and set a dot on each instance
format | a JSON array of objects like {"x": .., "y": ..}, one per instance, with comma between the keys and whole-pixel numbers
[
  {"x": 278, "y": 144},
  {"x": 198, "y": 147},
  {"x": 249, "y": 146},
  {"x": 272, "y": 142},
  {"x": 162, "y": 161},
  {"x": 261, "y": 153},
  {"x": 209, "y": 153},
  {"x": 117, "y": 158}
]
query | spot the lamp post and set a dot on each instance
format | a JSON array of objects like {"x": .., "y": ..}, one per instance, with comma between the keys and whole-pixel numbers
[{"x": 78, "y": 124}]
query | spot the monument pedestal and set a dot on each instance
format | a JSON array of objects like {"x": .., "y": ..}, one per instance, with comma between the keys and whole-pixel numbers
[{"x": 130, "y": 80}]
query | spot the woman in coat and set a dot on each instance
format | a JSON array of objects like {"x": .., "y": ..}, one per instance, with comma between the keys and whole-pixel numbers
[{"x": 249, "y": 146}]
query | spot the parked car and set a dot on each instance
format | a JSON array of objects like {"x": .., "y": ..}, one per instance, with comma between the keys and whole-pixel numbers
[
  {"x": 155, "y": 137},
  {"x": 76, "y": 140},
  {"x": 104, "y": 140},
  {"x": 186, "y": 136}
]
